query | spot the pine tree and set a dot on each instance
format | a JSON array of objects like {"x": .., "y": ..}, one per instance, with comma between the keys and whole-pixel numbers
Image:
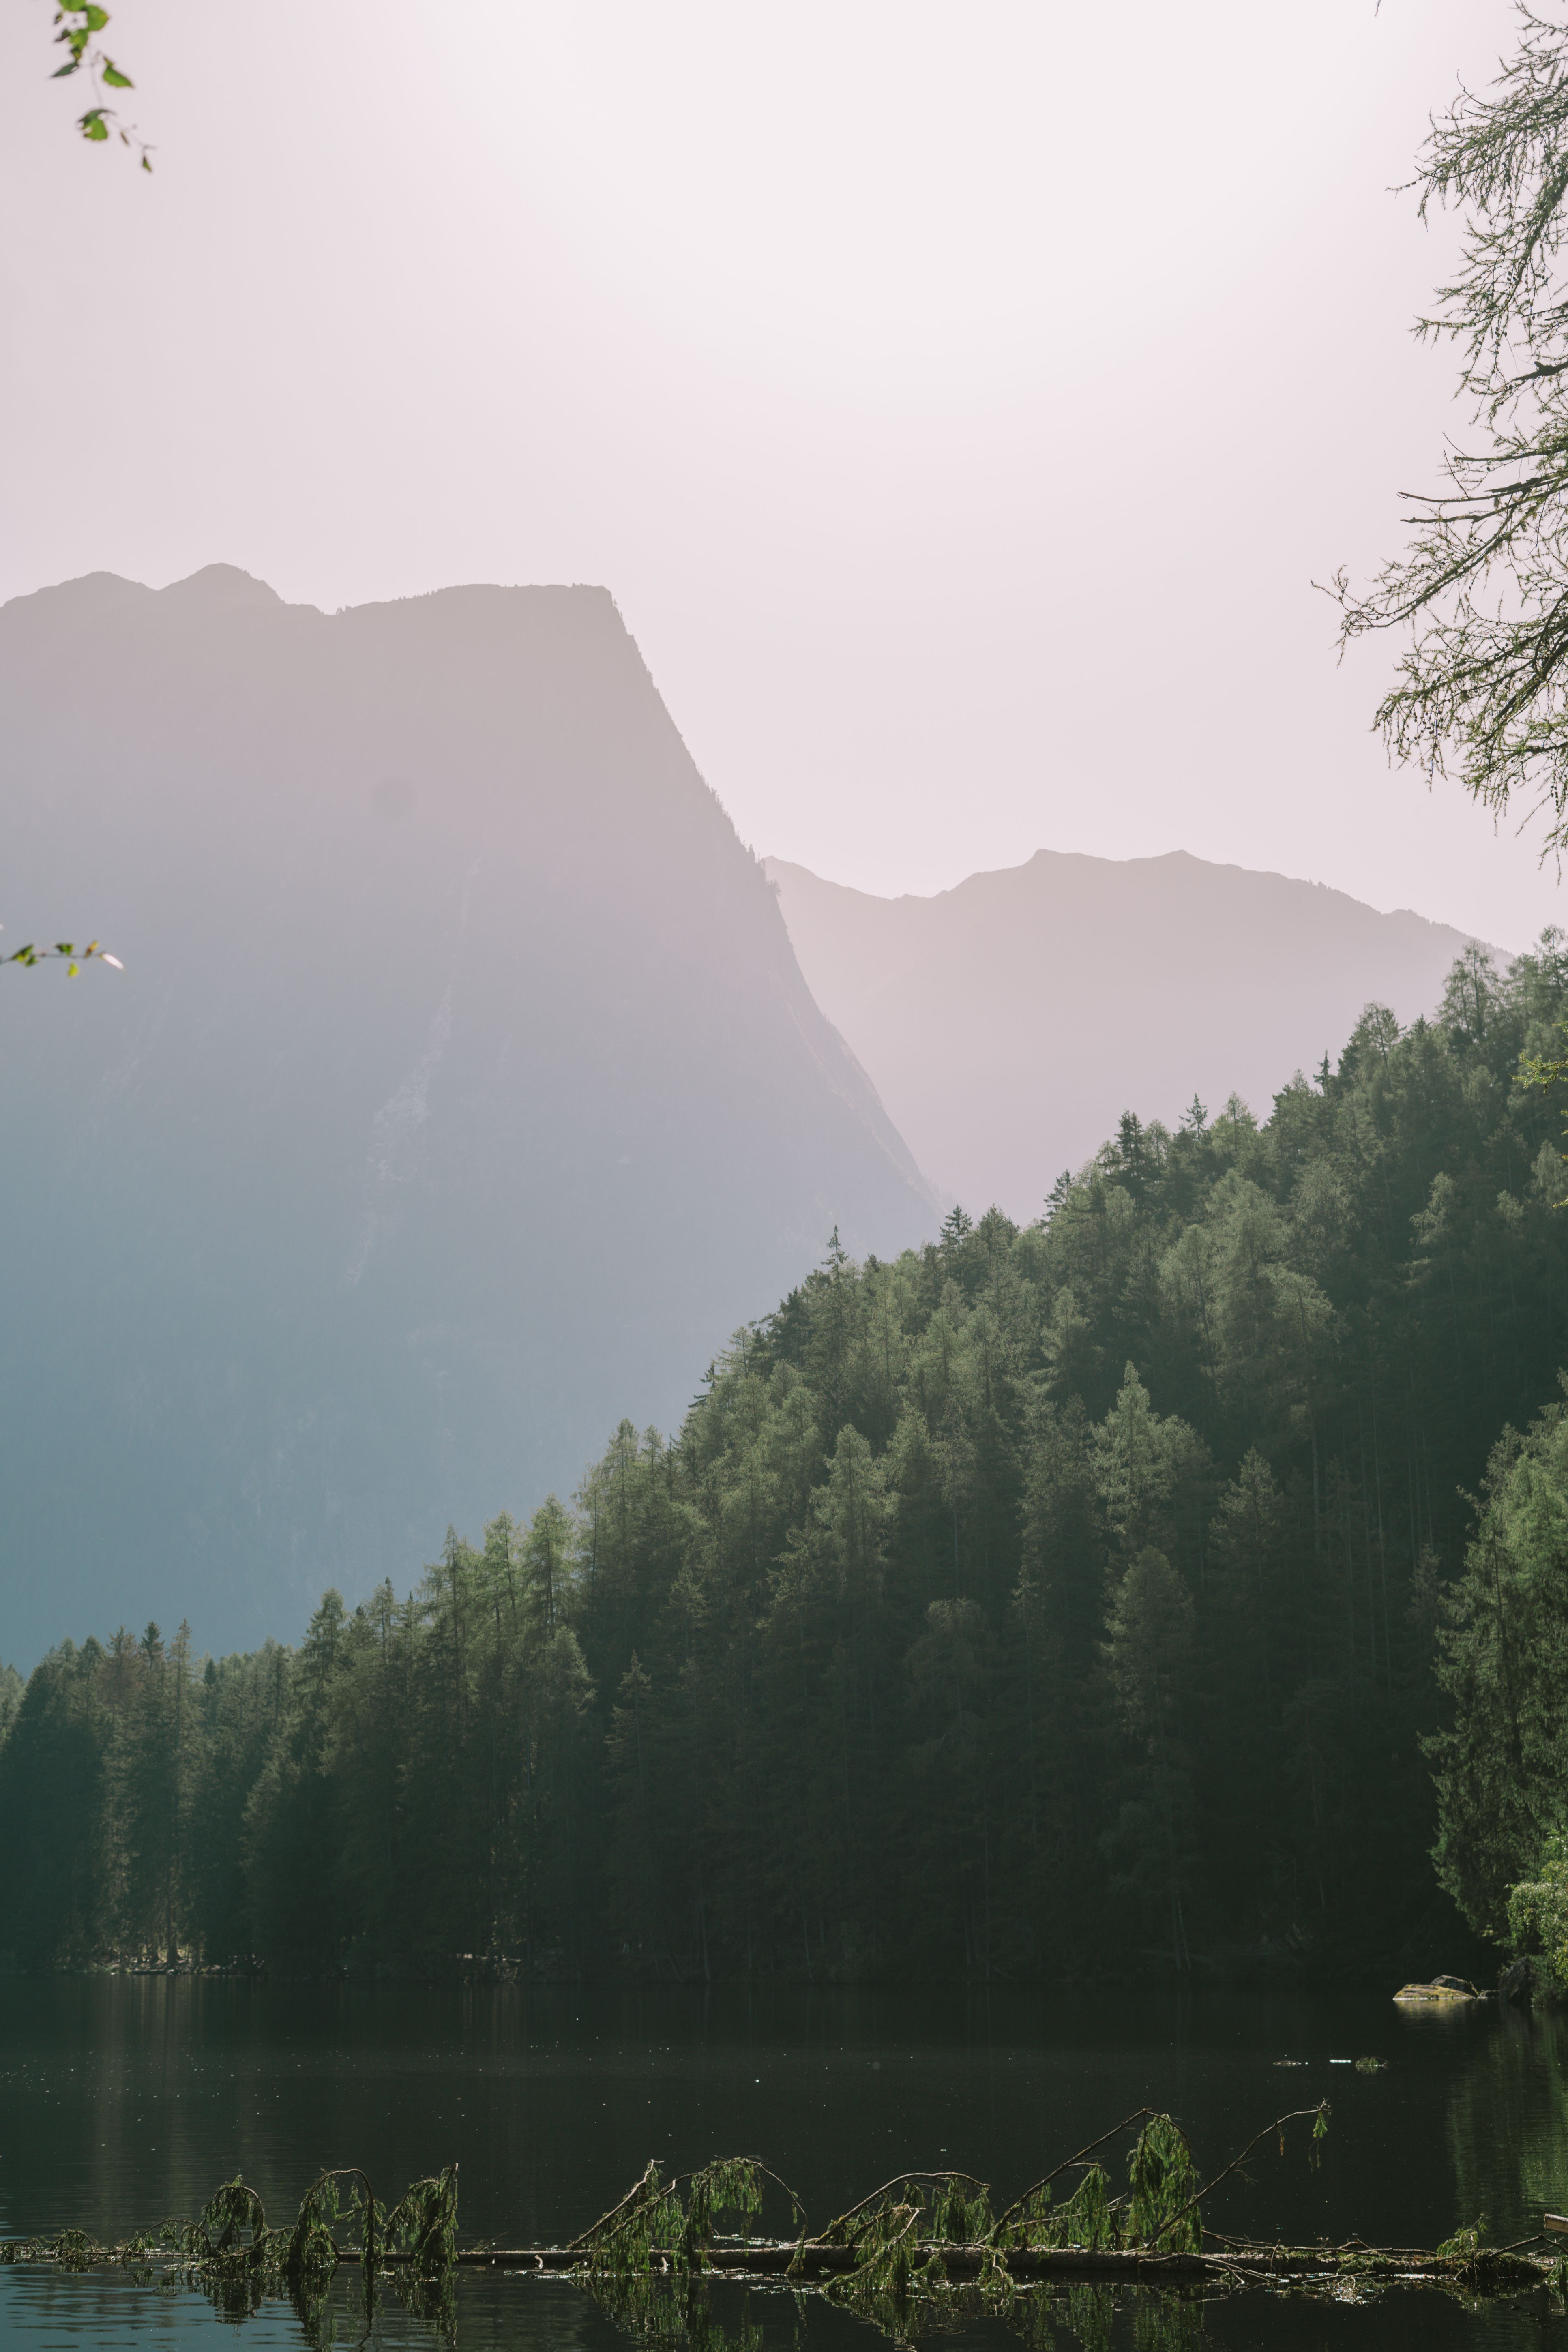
[{"x": 1501, "y": 1769}]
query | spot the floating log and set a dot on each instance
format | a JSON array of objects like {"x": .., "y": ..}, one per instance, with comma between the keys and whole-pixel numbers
[
  {"x": 1252, "y": 2265},
  {"x": 918, "y": 2237},
  {"x": 777, "y": 2259}
]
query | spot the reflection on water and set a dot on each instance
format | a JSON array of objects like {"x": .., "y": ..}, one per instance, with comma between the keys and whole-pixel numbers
[
  {"x": 122, "y": 2101},
  {"x": 523, "y": 2314},
  {"x": 1508, "y": 2120}
]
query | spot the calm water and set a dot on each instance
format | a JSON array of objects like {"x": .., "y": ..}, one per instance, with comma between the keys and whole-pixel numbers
[{"x": 122, "y": 2100}]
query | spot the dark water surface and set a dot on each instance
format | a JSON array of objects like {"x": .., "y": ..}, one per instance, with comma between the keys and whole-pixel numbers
[{"x": 125, "y": 2099}]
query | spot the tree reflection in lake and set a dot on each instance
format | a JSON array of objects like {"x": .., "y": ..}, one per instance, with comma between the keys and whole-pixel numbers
[
  {"x": 500, "y": 2313},
  {"x": 1508, "y": 2121}
]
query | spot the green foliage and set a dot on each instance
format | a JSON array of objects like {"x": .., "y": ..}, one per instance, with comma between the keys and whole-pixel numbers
[
  {"x": 1501, "y": 1770},
  {"x": 1466, "y": 2244},
  {"x": 897, "y": 2235},
  {"x": 674, "y": 2219},
  {"x": 312, "y": 2252},
  {"x": 1538, "y": 1912},
  {"x": 77, "y": 30},
  {"x": 232, "y": 2252},
  {"x": 951, "y": 2208},
  {"x": 425, "y": 2221},
  {"x": 1319, "y": 2132},
  {"x": 232, "y": 2209},
  {"x": 73, "y": 958},
  {"x": 1088, "y": 2217},
  {"x": 1028, "y": 2221},
  {"x": 887, "y": 2270},
  {"x": 1164, "y": 2212},
  {"x": 11, "y": 1689}
]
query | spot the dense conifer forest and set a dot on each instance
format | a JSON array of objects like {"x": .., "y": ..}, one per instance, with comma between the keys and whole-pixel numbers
[{"x": 1087, "y": 1596}]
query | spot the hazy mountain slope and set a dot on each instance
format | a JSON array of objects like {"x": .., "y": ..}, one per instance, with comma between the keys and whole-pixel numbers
[
  {"x": 460, "y": 1093},
  {"x": 1008, "y": 1023}
]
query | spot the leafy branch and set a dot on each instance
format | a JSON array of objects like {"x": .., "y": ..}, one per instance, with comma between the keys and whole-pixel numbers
[
  {"x": 1537, "y": 1070},
  {"x": 676, "y": 2217},
  {"x": 1320, "y": 2115},
  {"x": 79, "y": 28},
  {"x": 957, "y": 2202},
  {"x": 62, "y": 952},
  {"x": 1015, "y": 2222}
]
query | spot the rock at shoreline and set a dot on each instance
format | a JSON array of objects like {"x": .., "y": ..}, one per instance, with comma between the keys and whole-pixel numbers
[{"x": 1441, "y": 1989}]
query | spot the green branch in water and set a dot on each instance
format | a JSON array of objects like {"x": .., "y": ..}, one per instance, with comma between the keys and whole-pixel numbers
[
  {"x": 674, "y": 2219},
  {"x": 923, "y": 2244}
]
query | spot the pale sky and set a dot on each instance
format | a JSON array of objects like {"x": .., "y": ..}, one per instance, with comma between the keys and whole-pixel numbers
[{"x": 959, "y": 401}]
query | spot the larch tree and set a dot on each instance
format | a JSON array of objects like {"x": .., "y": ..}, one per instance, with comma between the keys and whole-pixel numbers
[{"x": 1480, "y": 591}]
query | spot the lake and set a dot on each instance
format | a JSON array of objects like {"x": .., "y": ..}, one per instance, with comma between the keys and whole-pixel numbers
[{"x": 124, "y": 2099}]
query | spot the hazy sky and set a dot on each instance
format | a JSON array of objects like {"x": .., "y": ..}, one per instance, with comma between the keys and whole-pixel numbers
[{"x": 958, "y": 402}]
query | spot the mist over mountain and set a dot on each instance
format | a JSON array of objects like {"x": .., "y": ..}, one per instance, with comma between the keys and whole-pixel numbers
[
  {"x": 1008, "y": 1023},
  {"x": 460, "y": 1094}
]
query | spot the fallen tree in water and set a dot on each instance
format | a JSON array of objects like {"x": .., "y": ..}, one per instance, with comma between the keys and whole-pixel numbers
[
  {"x": 231, "y": 2250},
  {"x": 922, "y": 2237}
]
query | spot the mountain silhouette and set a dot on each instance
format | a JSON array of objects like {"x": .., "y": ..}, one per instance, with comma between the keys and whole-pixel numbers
[
  {"x": 1008, "y": 1023},
  {"x": 460, "y": 1092}
]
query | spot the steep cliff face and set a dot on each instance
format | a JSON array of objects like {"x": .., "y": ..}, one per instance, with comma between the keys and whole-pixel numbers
[
  {"x": 461, "y": 1090},
  {"x": 1008, "y": 1023}
]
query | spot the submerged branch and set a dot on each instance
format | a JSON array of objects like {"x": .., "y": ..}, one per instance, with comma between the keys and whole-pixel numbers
[
  {"x": 1138, "y": 2115},
  {"x": 1319, "y": 2114}
]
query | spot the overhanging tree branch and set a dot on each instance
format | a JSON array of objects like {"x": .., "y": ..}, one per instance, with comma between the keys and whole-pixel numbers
[
  {"x": 1482, "y": 585},
  {"x": 78, "y": 28}
]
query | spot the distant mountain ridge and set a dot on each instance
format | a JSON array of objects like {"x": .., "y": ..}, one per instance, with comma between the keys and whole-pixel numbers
[
  {"x": 461, "y": 1092},
  {"x": 1007, "y": 1022}
]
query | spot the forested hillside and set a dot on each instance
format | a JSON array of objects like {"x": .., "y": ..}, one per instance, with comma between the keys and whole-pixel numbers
[{"x": 1063, "y": 1598}]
